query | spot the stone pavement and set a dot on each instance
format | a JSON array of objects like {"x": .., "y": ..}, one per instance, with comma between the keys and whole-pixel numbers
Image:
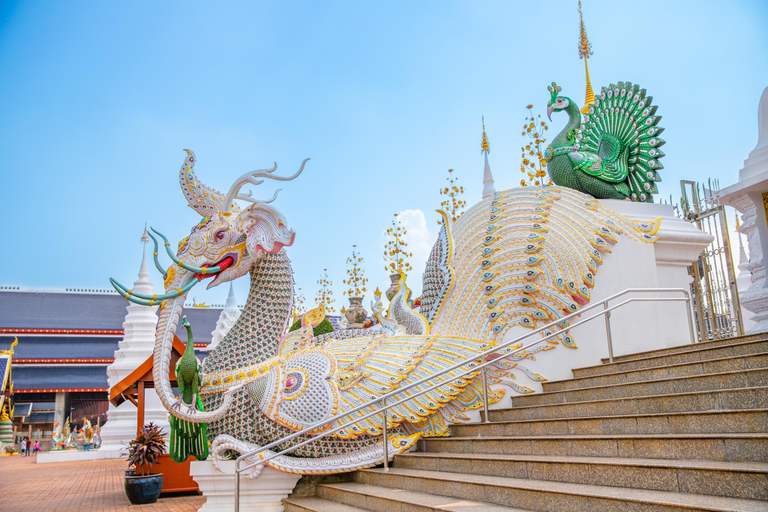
[{"x": 86, "y": 486}]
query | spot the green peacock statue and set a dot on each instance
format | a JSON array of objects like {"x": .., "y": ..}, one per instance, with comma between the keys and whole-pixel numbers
[
  {"x": 188, "y": 438},
  {"x": 613, "y": 152}
]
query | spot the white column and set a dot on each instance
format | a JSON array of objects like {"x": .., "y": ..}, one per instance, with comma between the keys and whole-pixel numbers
[{"x": 747, "y": 197}]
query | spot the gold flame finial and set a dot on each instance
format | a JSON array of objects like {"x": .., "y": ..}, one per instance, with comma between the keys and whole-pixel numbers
[
  {"x": 486, "y": 147},
  {"x": 585, "y": 50}
]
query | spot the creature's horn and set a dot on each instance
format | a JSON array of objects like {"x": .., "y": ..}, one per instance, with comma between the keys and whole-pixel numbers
[
  {"x": 194, "y": 270},
  {"x": 253, "y": 178},
  {"x": 128, "y": 295},
  {"x": 204, "y": 200},
  {"x": 154, "y": 253},
  {"x": 152, "y": 298}
]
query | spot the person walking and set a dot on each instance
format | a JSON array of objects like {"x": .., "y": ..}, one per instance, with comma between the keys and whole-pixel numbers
[
  {"x": 23, "y": 447},
  {"x": 36, "y": 448}
]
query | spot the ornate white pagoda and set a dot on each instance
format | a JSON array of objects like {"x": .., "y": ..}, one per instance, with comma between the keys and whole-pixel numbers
[
  {"x": 750, "y": 196},
  {"x": 136, "y": 346}
]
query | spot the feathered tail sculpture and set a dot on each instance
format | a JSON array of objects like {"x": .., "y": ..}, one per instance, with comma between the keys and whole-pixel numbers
[{"x": 188, "y": 438}]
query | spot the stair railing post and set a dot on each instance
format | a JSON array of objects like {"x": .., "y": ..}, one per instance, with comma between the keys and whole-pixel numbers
[
  {"x": 386, "y": 442},
  {"x": 485, "y": 390},
  {"x": 237, "y": 486},
  {"x": 608, "y": 331},
  {"x": 688, "y": 306}
]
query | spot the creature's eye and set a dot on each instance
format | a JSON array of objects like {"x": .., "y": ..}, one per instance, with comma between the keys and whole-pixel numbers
[
  {"x": 559, "y": 100},
  {"x": 191, "y": 159},
  {"x": 219, "y": 235}
]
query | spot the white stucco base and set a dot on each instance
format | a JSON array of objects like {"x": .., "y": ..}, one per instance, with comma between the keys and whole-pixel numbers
[
  {"x": 636, "y": 327},
  {"x": 263, "y": 494},
  {"x": 75, "y": 455}
]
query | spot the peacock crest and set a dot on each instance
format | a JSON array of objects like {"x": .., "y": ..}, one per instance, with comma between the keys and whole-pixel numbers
[{"x": 612, "y": 152}]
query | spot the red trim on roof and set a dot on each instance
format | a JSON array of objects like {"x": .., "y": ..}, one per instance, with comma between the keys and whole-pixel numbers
[
  {"x": 35, "y": 330},
  {"x": 60, "y": 390},
  {"x": 93, "y": 360},
  {"x": 201, "y": 345}
]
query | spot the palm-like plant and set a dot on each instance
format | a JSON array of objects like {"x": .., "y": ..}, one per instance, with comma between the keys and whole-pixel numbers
[{"x": 144, "y": 450}]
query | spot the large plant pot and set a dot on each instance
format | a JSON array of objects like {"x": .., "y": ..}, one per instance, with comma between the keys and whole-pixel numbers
[
  {"x": 142, "y": 489},
  {"x": 392, "y": 290},
  {"x": 356, "y": 314}
]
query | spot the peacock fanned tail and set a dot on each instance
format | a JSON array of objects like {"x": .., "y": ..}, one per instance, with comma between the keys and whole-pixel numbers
[
  {"x": 188, "y": 439},
  {"x": 623, "y": 116}
]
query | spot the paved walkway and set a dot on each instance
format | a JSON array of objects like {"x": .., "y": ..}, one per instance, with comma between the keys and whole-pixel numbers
[{"x": 96, "y": 485}]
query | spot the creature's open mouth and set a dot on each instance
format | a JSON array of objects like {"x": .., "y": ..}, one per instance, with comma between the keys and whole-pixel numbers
[{"x": 224, "y": 263}]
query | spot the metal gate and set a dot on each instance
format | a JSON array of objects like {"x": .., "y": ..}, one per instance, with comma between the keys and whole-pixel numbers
[{"x": 715, "y": 295}]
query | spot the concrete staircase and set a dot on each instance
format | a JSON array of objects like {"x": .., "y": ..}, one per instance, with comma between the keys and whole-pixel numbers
[{"x": 683, "y": 428}]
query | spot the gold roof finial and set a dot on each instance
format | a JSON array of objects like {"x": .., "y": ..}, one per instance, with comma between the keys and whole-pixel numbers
[
  {"x": 585, "y": 50},
  {"x": 9, "y": 352},
  {"x": 486, "y": 147}
]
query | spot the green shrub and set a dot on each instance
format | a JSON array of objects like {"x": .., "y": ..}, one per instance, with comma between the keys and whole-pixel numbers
[{"x": 323, "y": 327}]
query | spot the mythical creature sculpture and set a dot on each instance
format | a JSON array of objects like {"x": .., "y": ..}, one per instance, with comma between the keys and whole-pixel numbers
[
  {"x": 525, "y": 257},
  {"x": 188, "y": 438},
  {"x": 87, "y": 431},
  {"x": 613, "y": 152}
]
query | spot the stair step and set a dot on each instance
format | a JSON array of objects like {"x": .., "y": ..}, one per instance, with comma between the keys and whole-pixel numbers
[
  {"x": 705, "y": 422},
  {"x": 694, "y": 353},
  {"x": 725, "y": 399},
  {"x": 316, "y": 505},
  {"x": 737, "y": 340},
  {"x": 747, "y": 480},
  {"x": 385, "y": 499},
  {"x": 547, "y": 496},
  {"x": 717, "y": 447},
  {"x": 708, "y": 382},
  {"x": 689, "y": 369}
]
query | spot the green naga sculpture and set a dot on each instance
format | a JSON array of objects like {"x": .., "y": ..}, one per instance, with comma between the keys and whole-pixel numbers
[
  {"x": 613, "y": 152},
  {"x": 188, "y": 438}
]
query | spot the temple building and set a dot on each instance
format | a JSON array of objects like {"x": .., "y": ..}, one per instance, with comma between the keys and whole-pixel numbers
[{"x": 67, "y": 339}]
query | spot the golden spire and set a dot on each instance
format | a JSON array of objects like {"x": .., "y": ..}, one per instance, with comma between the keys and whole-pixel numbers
[
  {"x": 486, "y": 147},
  {"x": 585, "y": 50}
]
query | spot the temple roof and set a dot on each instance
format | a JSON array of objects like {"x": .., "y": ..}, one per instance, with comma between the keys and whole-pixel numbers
[
  {"x": 62, "y": 347},
  {"x": 45, "y": 309},
  {"x": 60, "y": 378}
]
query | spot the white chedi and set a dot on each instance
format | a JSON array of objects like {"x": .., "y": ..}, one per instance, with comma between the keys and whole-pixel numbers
[
  {"x": 136, "y": 346},
  {"x": 226, "y": 321}
]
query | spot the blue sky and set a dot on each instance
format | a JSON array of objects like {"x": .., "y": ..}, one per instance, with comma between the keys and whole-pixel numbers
[{"x": 98, "y": 99}]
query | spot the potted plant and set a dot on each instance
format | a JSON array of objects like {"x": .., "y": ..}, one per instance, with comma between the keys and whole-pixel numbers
[{"x": 143, "y": 487}]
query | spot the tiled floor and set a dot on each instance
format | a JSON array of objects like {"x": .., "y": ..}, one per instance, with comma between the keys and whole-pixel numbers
[{"x": 87, "y": 486}]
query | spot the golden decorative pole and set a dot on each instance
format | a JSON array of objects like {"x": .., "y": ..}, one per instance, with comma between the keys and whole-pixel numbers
[
  {"x": 585, "y": 50},
  {"x": 324, "y": 293},
  {"x": 453, "y": 205}
]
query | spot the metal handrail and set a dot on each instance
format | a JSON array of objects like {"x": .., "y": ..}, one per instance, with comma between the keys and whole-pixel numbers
[{"x": 606, "y": 312}]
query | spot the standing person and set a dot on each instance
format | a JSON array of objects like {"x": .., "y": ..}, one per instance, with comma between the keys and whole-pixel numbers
[
  {"x": 23, "y": 447},
  {"x": 36, "y": 448},
  {"x": 29, "y": 447}
]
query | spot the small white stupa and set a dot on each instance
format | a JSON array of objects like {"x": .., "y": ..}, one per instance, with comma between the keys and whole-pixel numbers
[
  {"x": 488, "y": 188},
  {"x": 227, "y": 319},
  {"x": 136, "y": 346}
]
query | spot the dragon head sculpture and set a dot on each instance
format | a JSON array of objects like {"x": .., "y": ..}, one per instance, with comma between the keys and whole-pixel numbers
[{"x": 223, "y": 246}]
